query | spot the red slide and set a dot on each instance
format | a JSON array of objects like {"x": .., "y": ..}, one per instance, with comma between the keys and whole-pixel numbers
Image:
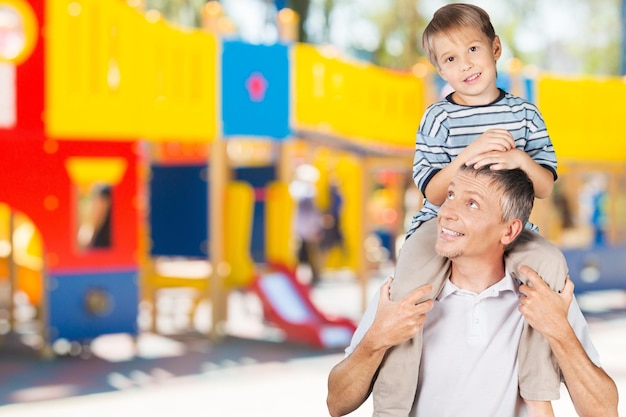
[{"x": 287, "y": 304}]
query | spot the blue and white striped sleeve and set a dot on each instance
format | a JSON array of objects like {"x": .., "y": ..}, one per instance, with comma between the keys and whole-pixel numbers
[
  {"x": 538, "y": 145},
  {"x": 431, "y": 150}
]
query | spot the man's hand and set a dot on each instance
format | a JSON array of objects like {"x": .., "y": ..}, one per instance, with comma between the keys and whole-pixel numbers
[
  {"x": 593, "y": 392},
  {"x": 398, "y": 321},
  {"x": 545, "y": 310}
]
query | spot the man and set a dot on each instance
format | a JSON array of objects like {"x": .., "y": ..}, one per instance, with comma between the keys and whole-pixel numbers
[{"x": 471, "y": 336}]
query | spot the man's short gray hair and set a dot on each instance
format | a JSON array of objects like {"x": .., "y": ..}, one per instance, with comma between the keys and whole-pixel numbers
[{"x": 518, "y": 193}]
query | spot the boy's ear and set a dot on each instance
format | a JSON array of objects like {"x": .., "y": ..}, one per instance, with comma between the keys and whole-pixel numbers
[
  {"x": 513, "y": 229},
  {"x": 497, "y": 48},
  {"x": 441, "y": 73}
]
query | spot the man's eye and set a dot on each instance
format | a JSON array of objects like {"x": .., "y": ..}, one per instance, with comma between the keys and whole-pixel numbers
[
  {"x": 473, "y": 204},
  {"x": 450, "y": 195}
]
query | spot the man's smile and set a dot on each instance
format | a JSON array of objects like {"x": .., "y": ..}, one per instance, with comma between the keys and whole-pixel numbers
[{"x": 449, "y": 232}]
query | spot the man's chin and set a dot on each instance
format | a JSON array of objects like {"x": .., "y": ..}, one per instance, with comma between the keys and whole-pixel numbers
[{"x": 448, "y": 253}]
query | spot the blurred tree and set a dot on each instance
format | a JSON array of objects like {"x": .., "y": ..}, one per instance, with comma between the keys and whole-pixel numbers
[
  {"x": 301, "y": 7},
  {"x": 184, "y": 13},
  {"x": 584, "y": 37},
  {"x": 400, "y": 28}
]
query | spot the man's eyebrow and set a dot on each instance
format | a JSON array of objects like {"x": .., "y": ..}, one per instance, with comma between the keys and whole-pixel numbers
[{"x": 476, "y": 194}]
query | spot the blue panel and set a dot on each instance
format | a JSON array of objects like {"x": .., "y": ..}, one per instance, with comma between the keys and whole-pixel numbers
[
  {"x": 529, "y": 87},
  {"x": 504, "y": 82},
  {"x": 255, "y": 90},
  {"x": 84, "y": 306},
  {"x": 179, "y": 211},
  {"x": 597, "y": 268},
  {"x": 258, "y": 178}
]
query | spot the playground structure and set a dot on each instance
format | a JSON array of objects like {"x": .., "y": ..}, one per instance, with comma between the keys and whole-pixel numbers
[{"x": 198, "y": 138}]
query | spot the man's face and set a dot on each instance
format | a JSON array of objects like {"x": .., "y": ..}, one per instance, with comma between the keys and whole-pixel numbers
[{"x": 470, "y": 219}]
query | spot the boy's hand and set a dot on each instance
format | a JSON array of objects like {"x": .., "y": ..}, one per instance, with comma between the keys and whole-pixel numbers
[
  {"x": 493, "y": 140},
  {"x": 513, "y": 158}
]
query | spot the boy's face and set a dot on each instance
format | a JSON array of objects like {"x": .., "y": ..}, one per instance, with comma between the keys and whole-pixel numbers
[
  {"x": 470, "y": 221},
  {"x": 467, "y": 61}
]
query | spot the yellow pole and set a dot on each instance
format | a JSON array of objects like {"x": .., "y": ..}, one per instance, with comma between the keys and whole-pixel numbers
[
  {"x": 217, "y": 185},
  {"x": 362, "y": 264}
]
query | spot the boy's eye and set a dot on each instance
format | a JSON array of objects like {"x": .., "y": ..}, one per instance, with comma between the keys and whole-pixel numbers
[
  {"x": 472, "y": 204},
  {"x": 450, "y": 59},
  {"x": 473, "y": 49}
]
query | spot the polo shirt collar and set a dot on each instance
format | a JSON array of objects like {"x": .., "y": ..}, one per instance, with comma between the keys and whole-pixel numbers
[{"x": 507, "y": 283}]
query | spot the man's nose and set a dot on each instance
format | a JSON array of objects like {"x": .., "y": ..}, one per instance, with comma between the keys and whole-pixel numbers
[{"x": 446, "y": 210}]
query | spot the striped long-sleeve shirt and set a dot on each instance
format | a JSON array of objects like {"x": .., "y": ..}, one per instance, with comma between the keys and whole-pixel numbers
[{"x": 448, "y": 128}]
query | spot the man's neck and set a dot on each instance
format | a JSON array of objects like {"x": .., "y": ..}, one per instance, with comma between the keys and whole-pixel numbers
[{"x": 476, "y": 276}]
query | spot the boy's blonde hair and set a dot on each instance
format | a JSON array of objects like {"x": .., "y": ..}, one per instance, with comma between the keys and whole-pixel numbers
[{"x": 454, "y": 17}]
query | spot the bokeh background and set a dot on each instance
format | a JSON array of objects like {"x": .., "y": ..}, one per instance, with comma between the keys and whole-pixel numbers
[{"x": 197, "y": 199}]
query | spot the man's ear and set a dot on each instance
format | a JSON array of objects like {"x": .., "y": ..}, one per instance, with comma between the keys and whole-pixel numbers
[{"x": 513, "y": 229}]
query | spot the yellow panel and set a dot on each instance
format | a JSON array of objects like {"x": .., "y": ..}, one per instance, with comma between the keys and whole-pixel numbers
[
  {"x": 356, "y": 100},
  {"x": 90, "y": 170},
  {"x": 584, "y": 117},
  {"x": 238, "y": 220},
  {"x": 280, "y": 210},
  {"x": 112, "y": 72},
  {"x": 346, "y": 172}
]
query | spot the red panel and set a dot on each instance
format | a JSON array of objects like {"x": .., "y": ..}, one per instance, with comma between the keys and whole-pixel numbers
[
  {"x": 30, "y": 80},
  {"x": 35, "y": 181}
]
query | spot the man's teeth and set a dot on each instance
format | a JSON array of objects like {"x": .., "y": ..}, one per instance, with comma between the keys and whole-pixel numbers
[{"x": 451, "y": 232}]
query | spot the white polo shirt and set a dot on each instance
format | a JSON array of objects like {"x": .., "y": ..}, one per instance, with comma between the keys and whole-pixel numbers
[{"x": 469, "y": 359}]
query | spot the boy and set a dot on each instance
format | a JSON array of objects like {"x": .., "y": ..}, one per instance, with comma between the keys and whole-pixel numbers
[{"x": 477, "y": 124}]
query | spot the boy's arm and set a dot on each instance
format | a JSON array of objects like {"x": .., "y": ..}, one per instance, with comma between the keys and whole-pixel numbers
[
  {"x": 593, "y": 392},
  {"x": 437, "y": 188},
  {"x": 542, "y": 178}
]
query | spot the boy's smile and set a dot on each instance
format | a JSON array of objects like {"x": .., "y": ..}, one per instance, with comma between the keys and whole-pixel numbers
[{"x": 467, "y": 61}]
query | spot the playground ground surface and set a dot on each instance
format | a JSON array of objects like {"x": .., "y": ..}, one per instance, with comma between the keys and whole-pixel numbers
[{"x": 247, "y": 373}]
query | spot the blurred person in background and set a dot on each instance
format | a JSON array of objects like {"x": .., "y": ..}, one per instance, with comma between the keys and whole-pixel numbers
[
  {"x": 95, "y": 232},
  {"x": 308, "y": 221}
]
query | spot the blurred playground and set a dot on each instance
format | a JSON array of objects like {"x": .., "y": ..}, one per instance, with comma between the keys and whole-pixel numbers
[
  {"x": 162, "y": 375},
  {"x": 164, "y": 182}
]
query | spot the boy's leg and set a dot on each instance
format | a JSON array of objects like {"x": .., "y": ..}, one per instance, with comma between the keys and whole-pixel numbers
[
  {"x": 418, "y": 264},
  {"x": 539, "y": 374}
]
